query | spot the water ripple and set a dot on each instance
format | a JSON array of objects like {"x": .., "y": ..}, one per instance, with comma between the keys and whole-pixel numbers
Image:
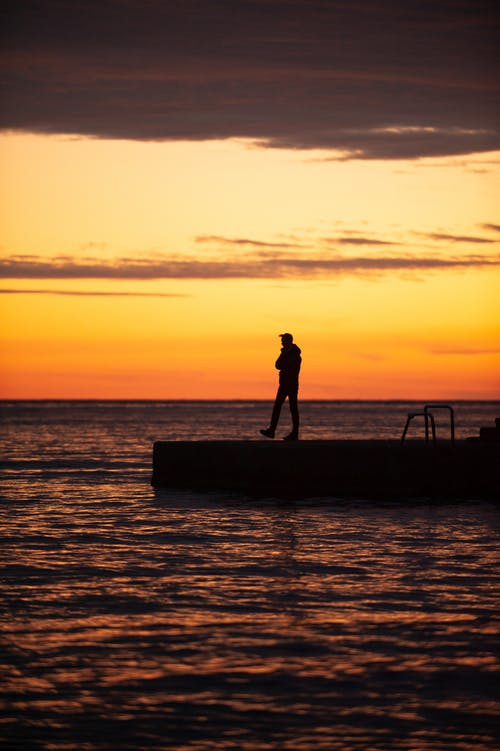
[{"x": 137, "y": 619}]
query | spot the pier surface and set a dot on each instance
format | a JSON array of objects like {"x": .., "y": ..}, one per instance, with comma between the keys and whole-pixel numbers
[{"x": 337, "y": 468}]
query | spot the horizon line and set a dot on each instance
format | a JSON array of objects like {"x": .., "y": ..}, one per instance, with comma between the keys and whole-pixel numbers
[{"x": 4, "y": 400}]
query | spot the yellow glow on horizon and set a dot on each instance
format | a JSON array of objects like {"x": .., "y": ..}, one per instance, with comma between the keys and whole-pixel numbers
[{"x": 221, "y": 342}]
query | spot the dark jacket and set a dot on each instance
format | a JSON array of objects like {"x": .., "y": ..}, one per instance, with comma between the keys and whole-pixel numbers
[{"x": 288, "y": 364}]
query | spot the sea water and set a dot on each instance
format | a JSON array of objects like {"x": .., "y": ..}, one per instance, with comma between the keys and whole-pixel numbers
[{"x": 133, "y": 618}]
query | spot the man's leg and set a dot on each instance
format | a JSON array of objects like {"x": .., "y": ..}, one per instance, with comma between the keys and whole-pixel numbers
[
  {"x": 280, "y": 398},
  {"x": 294, "y": 410}
]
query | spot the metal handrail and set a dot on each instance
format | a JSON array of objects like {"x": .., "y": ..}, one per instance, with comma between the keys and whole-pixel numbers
[
  {"x": 428, "y": 417},
  {"x": 427, "y": 409}
]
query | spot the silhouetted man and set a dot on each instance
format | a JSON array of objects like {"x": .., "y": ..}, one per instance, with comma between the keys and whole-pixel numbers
[{"x": 288, "y": 364}]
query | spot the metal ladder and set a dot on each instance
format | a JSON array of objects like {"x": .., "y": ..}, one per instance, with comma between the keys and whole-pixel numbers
[{"x": 429, "y": 419}]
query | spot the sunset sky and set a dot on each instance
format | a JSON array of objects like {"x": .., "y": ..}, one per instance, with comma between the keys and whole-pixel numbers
[{"x": 182, "y": 181}]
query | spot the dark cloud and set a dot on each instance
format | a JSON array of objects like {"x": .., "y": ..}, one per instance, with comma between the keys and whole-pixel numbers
[
  {"x": 80, "y": 293},
  {"x": 361, "y": 241},
  {"x": 457, "y": 238},
  {"x": 235, "y": 241},
  {"x": 385, "y": 79},
  {"x": 492, "y": 227},
  {"x": 263, "y": 265}
]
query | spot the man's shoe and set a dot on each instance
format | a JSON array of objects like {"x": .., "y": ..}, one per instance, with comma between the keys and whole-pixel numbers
[
  {"x": 268, "y": 433},
  {"x": 291, "y": 437}
]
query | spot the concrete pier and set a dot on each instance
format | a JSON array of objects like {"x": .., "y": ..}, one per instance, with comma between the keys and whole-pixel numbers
[{"x": 341, "y": 469}]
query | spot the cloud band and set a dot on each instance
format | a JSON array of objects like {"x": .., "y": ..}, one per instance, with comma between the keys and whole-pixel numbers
[
  {"x": 369, "y": 80},
  {"x": 262, "y": 266}
]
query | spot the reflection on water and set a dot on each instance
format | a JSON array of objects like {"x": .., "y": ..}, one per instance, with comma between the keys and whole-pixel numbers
[
  {"x": 152, "y": 620},
  {"x": 135, "y": 619}
]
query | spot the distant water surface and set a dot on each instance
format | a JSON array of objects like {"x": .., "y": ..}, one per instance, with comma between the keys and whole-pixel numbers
[{"x": 139, "y": 619}]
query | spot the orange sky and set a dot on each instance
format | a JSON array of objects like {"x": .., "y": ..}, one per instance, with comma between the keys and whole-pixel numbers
[
  {"x": 181, "y": 182},
  {"x": 167, "y": 270}
]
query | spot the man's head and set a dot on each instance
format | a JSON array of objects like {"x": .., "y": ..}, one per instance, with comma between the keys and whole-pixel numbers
[{"x": 286, "y": 339}]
